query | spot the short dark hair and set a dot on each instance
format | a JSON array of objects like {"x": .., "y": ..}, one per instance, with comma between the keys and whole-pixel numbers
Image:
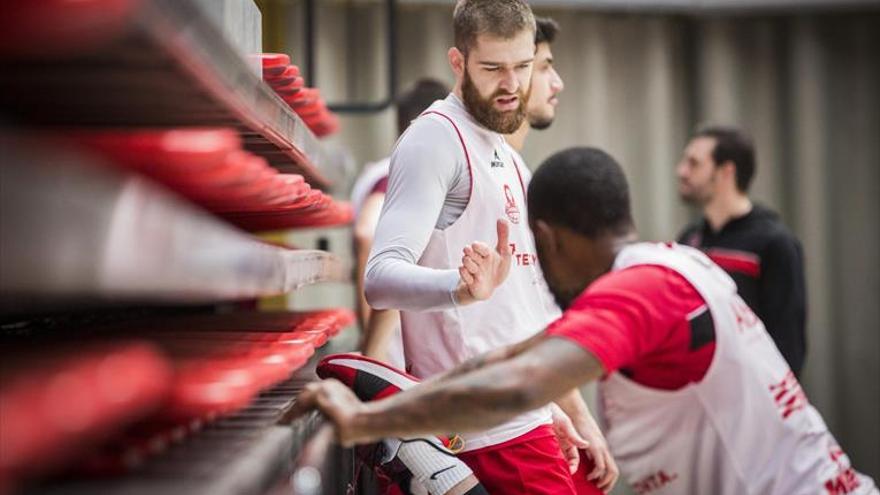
[
  {"x": 417, "y": 99},
  {"x": 734, "y": 145},
  {"x": 583, "y": 189},
  {"x": 546, "y": 30},
  {"x": 502, "y": 18}
]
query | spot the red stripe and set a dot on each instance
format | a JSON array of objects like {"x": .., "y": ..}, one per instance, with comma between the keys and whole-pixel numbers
[
  {"x": 521, "y": 183},
  {"x": 463, "y": 147},
  {"x": 736, "y": 261}
]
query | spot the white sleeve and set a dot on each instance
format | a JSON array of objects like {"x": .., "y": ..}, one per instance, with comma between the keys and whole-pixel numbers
[{"x": 426, "y": 164}]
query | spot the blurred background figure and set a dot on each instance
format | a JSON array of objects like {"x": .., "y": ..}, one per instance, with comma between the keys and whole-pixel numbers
[
  {"x": 748, "y": 240},
  {"x": 381, "y": 328}
]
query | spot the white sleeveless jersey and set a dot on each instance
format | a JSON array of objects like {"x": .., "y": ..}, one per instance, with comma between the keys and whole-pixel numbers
[
  {"x": 746, "y": 428},
  {"x": 521, "y": 307},
  {"x": 366, "y": 181}
]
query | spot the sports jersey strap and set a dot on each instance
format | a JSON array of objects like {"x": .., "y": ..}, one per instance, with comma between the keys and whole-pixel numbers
[
  {"x": 467, "y": 156},
  {"x": 519, "y": 174}
]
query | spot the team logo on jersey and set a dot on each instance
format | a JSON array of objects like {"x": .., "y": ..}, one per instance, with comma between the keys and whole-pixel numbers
[
  {"x": 496, "y": 161},
  {"x": 653, "y": 482},
  {"x": 510, "y": 205},
  {"x": 789, "y": 395}
]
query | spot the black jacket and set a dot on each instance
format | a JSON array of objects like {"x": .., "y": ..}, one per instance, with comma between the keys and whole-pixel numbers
[{"x": 766, "y": 261}]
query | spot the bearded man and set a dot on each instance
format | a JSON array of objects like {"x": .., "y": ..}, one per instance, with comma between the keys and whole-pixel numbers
[{"x": 452, "y": 177}]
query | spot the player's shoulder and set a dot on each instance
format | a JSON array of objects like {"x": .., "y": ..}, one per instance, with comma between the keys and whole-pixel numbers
[
  {"x": 772, "y": 231},
  {"x": 640, "y": 278},
  {"x": 429, "y": 129},
  {"x": 429, "y": 143},
  {"x": 641, "y": 284}
]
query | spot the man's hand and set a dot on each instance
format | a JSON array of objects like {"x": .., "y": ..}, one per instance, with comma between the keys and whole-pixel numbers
[
  {"x": 605, "y": 472},
  {"x": 568, "y": 437},
  {"x": 483, "y": 269},
  {"x": 338, "y": 404}
]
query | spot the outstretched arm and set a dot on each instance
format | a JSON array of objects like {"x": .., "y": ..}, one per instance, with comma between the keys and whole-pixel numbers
[{"x": 490, "y": 392}]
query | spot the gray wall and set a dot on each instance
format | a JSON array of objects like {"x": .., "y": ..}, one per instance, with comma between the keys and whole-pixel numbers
[{"x": 805, "y": 85}]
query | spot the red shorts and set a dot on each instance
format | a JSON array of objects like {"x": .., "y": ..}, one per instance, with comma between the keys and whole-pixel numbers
[
  {"x": 583, "y": 486},
  {"x": 531, "y": 464}
]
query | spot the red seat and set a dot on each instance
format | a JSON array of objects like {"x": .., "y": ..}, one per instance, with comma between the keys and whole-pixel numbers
[
  {"x": 323, "y": 215},
  {"x": 290, "y": 73},
  {"x": 290, "y": 88},
  {"x": 56, "y": 406},
  {"x": 61, "y": 26},
  {"x": 274, "y": 64}
]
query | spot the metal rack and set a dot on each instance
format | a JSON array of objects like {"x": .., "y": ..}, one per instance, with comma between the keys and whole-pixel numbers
[
  {"x": 73, "y": 229},
  {"x": 161, "y": 63},
  {"x": 84, "y": 242}
]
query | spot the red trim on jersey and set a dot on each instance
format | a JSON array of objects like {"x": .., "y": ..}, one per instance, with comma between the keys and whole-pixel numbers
[
  {"x": 463, "y": 147},
  {"x": 736, "y": 261},
  {"x": 380, "y": 186},
  {"x": 638, "y": 321},
  {"x": 518, "y": 174}
]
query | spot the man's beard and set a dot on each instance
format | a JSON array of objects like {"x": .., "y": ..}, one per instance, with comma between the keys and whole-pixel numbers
[
  {"x": 702, "y": 195},
  {"x": 691, "y": 200},
  {"x": 483, "y": 109},
  {"x": 540, "y": 123},
  {"x": 688, "y": 198},
  {"x": 697, "y": 197}
]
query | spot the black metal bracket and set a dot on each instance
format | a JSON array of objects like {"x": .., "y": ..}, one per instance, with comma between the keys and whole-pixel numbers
[{"x": 391, "y": 47}]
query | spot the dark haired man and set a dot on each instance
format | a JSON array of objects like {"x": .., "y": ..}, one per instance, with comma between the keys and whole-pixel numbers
[
  {"x": 748, "y": 240},
  {"x": 696, "y": 397},
  {"x": 452, "y": 177},
  {"x": 546, "y": 84}
]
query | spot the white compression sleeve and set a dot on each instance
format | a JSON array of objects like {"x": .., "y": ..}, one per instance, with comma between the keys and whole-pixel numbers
[{"x": 428, "y": 188}]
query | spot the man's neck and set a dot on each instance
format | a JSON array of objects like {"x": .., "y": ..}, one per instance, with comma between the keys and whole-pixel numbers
[
  {"x": 724, "y": 208},
  {"x": 456, "y": 90},
  {"x": 518, "y": 139},
  {"x": 606, "y": 250}
]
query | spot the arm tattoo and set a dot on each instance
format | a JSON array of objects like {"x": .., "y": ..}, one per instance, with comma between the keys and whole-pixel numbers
[
  {"x": 488, "y": 358},
  {"x": 495, "y": 389}
]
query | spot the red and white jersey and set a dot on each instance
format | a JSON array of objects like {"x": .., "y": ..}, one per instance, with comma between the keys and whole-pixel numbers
[
  {"x": 371, "y": 175},
  {"x": 745, "y": 428},
  {"x": 437, "y": 341}
]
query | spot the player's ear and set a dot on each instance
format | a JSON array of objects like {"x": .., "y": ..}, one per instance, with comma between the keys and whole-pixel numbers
[
  {"x": 728, "y": 168},
  {"x": 456, "y": 61}
]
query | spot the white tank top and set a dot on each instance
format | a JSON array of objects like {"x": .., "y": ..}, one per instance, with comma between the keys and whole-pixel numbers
[
  {"x": 519, "y": 308},
  {"x": 746, "y": 428}
]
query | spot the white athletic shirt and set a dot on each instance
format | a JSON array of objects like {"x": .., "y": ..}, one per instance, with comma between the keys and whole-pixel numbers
[
  {"x": 439, "y": 335},
  {"x": 745, "y": 428},
  {"x": 429, "y": 193}
]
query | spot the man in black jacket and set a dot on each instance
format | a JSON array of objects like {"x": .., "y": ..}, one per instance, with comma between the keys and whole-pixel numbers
[{"x": 748, "y": 240}]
